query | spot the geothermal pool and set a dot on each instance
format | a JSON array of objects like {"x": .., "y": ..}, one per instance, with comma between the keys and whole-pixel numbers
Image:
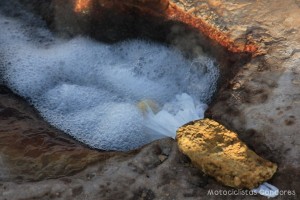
[{"x": 111, "y": 97}]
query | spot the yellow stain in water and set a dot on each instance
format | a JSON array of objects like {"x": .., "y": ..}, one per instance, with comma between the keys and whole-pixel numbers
[{"x": 146, "y": 104}]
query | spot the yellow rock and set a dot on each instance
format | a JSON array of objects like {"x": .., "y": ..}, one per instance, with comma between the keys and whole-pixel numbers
[{"x": 218, "y": 152}]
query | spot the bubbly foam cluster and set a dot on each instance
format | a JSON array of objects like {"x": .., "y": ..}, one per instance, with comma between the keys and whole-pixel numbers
[{"x": 91, "y": 90}]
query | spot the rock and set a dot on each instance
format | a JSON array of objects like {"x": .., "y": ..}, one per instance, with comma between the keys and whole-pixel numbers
[
  {"x": 138, "y": 175},
  {"x": 31, "y": 149},
  {"x": 218, "y": 152},
  {"x": 264, "y": 109},
  {"x": 162, "y": 158}
]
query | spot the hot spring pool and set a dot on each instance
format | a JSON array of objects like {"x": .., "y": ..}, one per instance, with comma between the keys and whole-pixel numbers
[{"x": 92, "y": 90}]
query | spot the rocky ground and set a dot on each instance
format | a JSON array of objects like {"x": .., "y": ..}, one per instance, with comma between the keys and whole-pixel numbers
[{"x": 260, "y": 101}]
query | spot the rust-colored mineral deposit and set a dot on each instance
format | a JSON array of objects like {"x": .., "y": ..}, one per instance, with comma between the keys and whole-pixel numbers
[{"x": 167, "y": 10}]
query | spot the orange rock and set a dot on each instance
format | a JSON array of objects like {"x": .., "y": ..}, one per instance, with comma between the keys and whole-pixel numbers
[{"x": 167, "y": 10}]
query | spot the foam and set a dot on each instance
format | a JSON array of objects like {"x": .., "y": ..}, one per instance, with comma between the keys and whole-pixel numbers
[
  {"x": 90, "y": 90},
  {"x": 174, "y": 114}
]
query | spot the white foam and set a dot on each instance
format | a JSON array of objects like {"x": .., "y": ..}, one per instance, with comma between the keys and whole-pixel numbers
[
  {"x": 90, "y": 90},
  {"x": 266, "y": 189}
]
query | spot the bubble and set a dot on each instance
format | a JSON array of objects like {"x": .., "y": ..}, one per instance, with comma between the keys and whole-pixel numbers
[{"x": 91, "y": 90}]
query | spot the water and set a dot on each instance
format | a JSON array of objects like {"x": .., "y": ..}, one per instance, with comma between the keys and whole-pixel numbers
[
  {"x": 100, "y": 93},
  {"x": 174, "y": 114}
]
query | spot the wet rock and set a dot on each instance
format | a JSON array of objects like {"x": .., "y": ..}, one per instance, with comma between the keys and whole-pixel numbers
[
  {"x": 139, "y": 175},
  {"x": 218, "y": 152},
  {"x": 161, "y": 20},
  {"x": 31, "y": 149}
]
